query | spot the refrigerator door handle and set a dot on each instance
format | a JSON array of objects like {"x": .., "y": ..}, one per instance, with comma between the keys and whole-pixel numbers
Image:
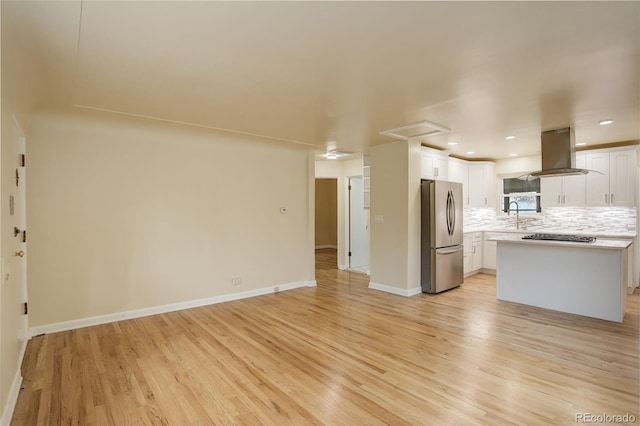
[
  {"x": 453, "y": 213},
  {"x": 450, "y": 213},
  {"x": 450, "y": 251}
]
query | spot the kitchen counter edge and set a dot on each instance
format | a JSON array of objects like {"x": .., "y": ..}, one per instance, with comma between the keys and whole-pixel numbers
[
  {"x": 597, "y": 244},
  {"x": 600, "y": 234}
]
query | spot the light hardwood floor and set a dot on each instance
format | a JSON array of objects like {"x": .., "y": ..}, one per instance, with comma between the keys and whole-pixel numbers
[{"x": 338, "y": 354}]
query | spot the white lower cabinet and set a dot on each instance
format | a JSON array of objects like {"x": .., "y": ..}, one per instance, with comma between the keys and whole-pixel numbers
[
  {"x": 477, "y": 251},
  {"x": 467, "y": 243},
  {"x": 491, "y": 249},
  {"x": 472, "y": 252}
]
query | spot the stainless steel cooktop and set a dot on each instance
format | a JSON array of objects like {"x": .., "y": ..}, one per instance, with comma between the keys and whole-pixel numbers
[{"x": 560, "y": 237}]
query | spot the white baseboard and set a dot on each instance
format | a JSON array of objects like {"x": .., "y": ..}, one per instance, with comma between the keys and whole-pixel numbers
[
  {"x": 154, "y": 310},
  {"x": 10, "y": 405},
  {"x": 395, "y": 290},
  {"x": 414, "y": 291},
  {"x": 326, "y": 247},
  {"x": 343, "y": 267}
]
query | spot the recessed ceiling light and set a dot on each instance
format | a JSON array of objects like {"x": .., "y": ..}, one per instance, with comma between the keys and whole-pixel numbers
[
  {"x": 470, "y": 152},
  {"x": 581, "y": 144},
  {"x": 604, "y": 122},
  {"x": 453, "y": 143},
  {"x": 513, "y": 155},
  {"x": 331, "y": 156},
  {"x": 510, "y": 137}
]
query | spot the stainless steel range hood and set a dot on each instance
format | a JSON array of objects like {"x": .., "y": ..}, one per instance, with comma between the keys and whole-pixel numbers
[{"x": 558, "y": 154}]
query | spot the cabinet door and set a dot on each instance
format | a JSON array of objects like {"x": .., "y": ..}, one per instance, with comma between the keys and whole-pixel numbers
[
  {"x": 476, "y": 186},
  {"x": 477, "y": 255},
  {"x": 551, "y": 191},
  {"x": 490, "y": 250},
  {"x": 489, "y": 183},
  {"x": 622, "y": 178},
  {"x": 574, "y": 187},
  {"x": 468, "y": 253},
  {"x": 481, "y": 185},
  {"x": 598, "y": 184},
  {"x": 441, "y": 167},
  {"x": 427, "y": 167},
  {"x": 459, "y": 172}
]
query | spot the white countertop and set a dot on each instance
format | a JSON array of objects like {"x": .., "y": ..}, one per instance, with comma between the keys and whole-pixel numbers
[
  {"x": 597, "y": 244},
  {"x": 601, "y": 234}
]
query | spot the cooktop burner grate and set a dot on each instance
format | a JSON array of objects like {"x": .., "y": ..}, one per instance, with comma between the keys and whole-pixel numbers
[{"x": 560, "y": 237}]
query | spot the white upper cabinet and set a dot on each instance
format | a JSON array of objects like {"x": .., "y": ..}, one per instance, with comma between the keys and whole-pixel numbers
[
  {"x": 433, "y": 164},
  {"x": 481, "y": 184},
  {"x": 478, "y": 181},
  {"x": 565, "y": 191},
  {"x": 615, "y": 184},
  {"x": 459, "y": 172},
  {"x": 598, "y": 183},
  {"x": 622, "y": 178}
]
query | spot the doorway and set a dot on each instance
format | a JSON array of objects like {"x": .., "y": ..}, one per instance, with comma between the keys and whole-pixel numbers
[
  {"x": 326, "y": 226},
  {"x": 358, "y": 227}
]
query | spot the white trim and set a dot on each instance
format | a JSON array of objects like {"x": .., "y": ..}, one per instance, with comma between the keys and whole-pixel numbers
[
  {"x": 343, "y": 267},
  {"x": 395, "y": 290},
  {"x": 154, "y": 310},
  {"x": 414, "y": 291},
  {"x": 328, "y": 246},
  {"x": 9, "y": 407},
  {"x": 23, "y": 350}
]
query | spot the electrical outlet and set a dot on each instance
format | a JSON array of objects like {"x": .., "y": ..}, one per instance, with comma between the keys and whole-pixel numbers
[{"x": 236, "y": 280}]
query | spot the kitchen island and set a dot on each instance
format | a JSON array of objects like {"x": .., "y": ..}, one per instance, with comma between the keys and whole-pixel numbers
[{"x": 580, "y": 278}]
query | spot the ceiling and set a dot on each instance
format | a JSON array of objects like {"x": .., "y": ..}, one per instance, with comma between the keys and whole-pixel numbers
[{"x": 334, "y": 74}]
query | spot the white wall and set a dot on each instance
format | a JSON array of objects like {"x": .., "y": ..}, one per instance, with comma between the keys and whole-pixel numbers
[
  {"x": 126, "y": 214},
  {"x": 518, "y": 165},
  {"x": 395, "y": 241}
]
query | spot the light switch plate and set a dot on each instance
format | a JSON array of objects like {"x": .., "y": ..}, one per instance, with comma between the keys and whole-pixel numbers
[{"x": 379, "y": 218}]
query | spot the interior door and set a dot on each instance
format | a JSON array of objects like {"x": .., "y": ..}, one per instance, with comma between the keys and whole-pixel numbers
[
  {"x": 17, "y": 211},
  {"x": 358, "y": 229}
]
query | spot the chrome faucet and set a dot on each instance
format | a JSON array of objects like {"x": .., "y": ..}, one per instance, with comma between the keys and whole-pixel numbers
[{"x": 517, "y": 213}]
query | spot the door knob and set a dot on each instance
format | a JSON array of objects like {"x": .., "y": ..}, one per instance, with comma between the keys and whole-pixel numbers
[{"x": 20, "y": 253}]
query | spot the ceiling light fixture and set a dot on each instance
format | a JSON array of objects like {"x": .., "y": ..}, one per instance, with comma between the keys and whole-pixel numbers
[
  {"x": 470, "y": 152},
  {"x": 513, "y": 155},
  {"x": 581, "y": 144},
  {"x": 510, "y": 137},
  {"x": 605, "y": 122},
  {"x": 331, "y": 156},
  {"x": 453, "y": 143}
]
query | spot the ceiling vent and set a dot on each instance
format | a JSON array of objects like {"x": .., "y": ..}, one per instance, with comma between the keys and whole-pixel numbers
[
  {"x": 337, "y": 153},
  {"x": 415, "y": 130}
]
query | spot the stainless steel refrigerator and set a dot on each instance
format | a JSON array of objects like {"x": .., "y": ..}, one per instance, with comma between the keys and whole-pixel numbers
[{"x": 442, "y": 252}]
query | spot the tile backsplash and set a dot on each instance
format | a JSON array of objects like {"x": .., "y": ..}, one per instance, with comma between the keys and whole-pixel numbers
[
  {"x": 479, "y": 218},
  {"x": 565, "y": 219}
]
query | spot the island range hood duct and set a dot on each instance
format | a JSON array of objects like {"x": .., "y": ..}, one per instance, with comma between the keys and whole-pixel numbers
[{"x": 558, "y": 155}]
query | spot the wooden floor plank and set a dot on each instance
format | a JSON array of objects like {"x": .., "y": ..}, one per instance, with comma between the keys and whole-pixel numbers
[{"x": 338, "y": 354}]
